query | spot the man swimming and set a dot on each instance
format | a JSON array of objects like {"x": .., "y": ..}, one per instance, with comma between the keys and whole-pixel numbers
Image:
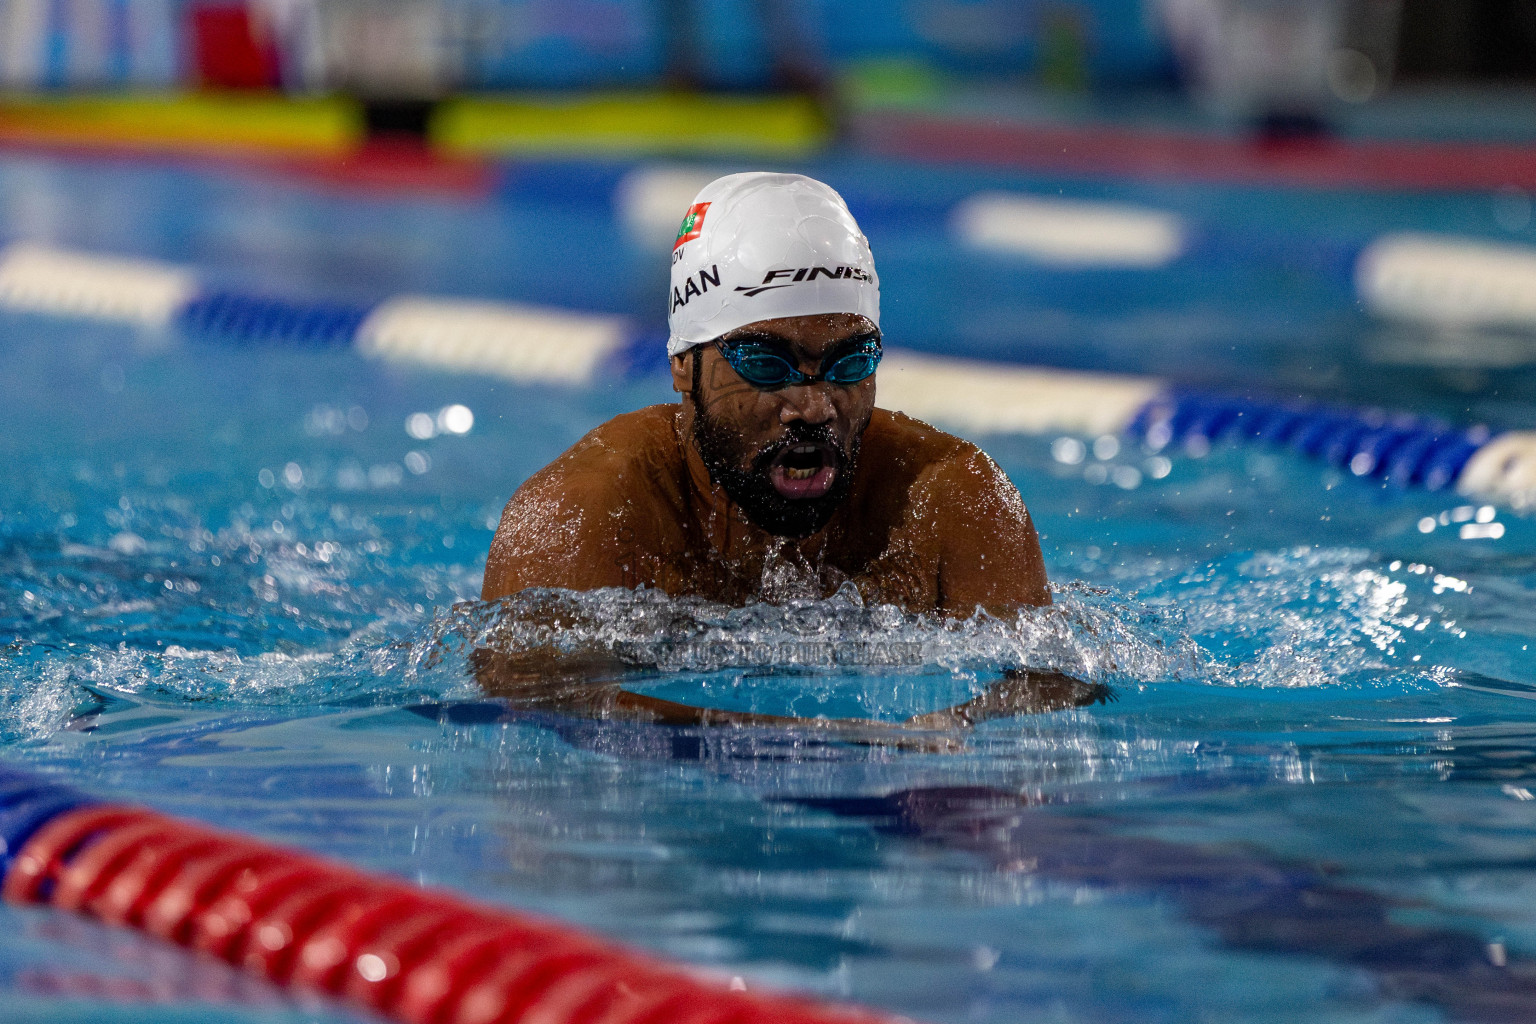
[{"x": 775, "y": 476}]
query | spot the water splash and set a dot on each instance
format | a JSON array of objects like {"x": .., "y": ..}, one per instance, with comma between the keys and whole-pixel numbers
[
  {"x": 1312, "y": 617},
  {"x": 1088, "y": 633},
  {"x": 1297, "y": 618}
]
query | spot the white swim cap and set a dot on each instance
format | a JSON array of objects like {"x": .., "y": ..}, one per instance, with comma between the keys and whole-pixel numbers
[{"x": 756, "y": 246}]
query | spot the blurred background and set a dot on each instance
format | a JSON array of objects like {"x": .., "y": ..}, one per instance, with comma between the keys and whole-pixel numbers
[
  {"x": 1330, "y": 198},
  {"x": 1291, "y": 60},
  {"x": 1252, "y": 57}
]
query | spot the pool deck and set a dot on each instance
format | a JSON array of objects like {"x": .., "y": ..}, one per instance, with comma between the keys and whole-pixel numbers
[{"x": 326, "y": 138}]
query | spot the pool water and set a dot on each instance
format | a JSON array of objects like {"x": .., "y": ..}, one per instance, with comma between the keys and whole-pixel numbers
[{"x": 235, "y": 586}]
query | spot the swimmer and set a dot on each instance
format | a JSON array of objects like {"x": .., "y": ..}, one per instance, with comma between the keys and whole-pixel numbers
[{"x": 775, "y": 476}]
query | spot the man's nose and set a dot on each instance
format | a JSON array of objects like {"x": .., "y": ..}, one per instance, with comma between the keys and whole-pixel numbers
[{"x": 807, "y": 403}]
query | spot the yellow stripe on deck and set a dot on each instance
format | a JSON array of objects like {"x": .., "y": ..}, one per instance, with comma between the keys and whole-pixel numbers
[
  {"x": 319, "y": 126},
  {"x": 668, "y": 123}
]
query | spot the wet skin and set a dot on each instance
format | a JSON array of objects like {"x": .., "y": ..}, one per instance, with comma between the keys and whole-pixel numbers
[{"x": 926, "y": 521}]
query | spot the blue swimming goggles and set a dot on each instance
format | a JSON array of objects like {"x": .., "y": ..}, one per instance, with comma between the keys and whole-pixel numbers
[{"x": 766, "y": 364}]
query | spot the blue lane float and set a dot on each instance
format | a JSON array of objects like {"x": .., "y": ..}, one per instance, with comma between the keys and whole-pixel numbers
[
  {"x": 537, "y": 345},
  {"x": 27, "y": 803},
  {"x": 1402, "y": 450},
  {"x": 240, "y": 319}
]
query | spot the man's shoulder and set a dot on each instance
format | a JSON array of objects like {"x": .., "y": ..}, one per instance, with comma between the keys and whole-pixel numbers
[
  {"x": 632, "y": 452},
  {"x": 919, "y": 446},
  {"x": 919, "y": 459},
  {"x": 577, "y": 522},
  {"x": 642, "y": 436}
]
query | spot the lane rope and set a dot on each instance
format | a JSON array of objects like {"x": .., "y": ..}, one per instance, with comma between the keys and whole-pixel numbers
[
  {"x": 535, "y": 345},
  {"x": 416, "y": 955}
]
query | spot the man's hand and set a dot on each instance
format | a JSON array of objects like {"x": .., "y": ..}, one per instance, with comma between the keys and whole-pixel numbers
[
  {"x": 1021, "y": 691},
  {"x": 592, "y": 688}
]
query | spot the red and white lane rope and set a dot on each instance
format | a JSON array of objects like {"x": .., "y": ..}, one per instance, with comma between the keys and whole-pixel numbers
[{"x": 417, "y": 955}]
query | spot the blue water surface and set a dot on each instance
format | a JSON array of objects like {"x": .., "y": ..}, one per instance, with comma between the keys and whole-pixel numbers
[{"x": 235, "y": 587}]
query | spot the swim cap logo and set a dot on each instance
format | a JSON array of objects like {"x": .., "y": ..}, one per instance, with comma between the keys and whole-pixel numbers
[
  {"x": 693, "y": 223},
  {"x": 799, "y": 274}
]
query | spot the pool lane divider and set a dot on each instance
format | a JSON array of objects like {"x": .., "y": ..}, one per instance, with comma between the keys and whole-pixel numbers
[
  {"x": 538, "y": 345},
  {"x": 413, "y": 954},
  {"x": 1437, "y": 281}
]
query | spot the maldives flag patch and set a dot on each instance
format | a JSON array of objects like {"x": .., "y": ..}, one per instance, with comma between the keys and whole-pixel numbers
[{"x": 693, "y": 223}]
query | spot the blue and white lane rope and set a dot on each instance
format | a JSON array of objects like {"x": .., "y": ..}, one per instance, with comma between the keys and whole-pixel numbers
[
  {"x": 1437, "y": 280},
  {"x": 531, "y": 344}
]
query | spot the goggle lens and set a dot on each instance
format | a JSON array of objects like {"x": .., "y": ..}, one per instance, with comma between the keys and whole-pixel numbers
[
  {"x": 763, "y": 367},
  {"x": 853, "y": 367}
]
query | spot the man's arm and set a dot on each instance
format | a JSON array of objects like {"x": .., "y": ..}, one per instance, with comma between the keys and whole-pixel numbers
[
  {"x": 989, "y": 552},
  {"x": 593, "y": 688},
  {"x": 562, "y": 530},
  {"x": 556, "y": 532},
  {"x": 989, "y": 557}
]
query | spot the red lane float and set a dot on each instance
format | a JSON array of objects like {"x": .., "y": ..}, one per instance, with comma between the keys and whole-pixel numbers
[{"x": 417, "y": 955}]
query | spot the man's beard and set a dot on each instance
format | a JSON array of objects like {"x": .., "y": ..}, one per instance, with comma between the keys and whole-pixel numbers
[{"x": 752, "y": 489}]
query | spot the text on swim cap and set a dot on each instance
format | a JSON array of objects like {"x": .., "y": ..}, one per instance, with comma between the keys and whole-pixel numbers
[
  {"x": 799, "y": 274},
  {"x": 699, "y": 287}
]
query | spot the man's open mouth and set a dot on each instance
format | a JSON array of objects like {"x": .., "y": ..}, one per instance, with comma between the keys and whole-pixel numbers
[{"x": 804, "y": 470}]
